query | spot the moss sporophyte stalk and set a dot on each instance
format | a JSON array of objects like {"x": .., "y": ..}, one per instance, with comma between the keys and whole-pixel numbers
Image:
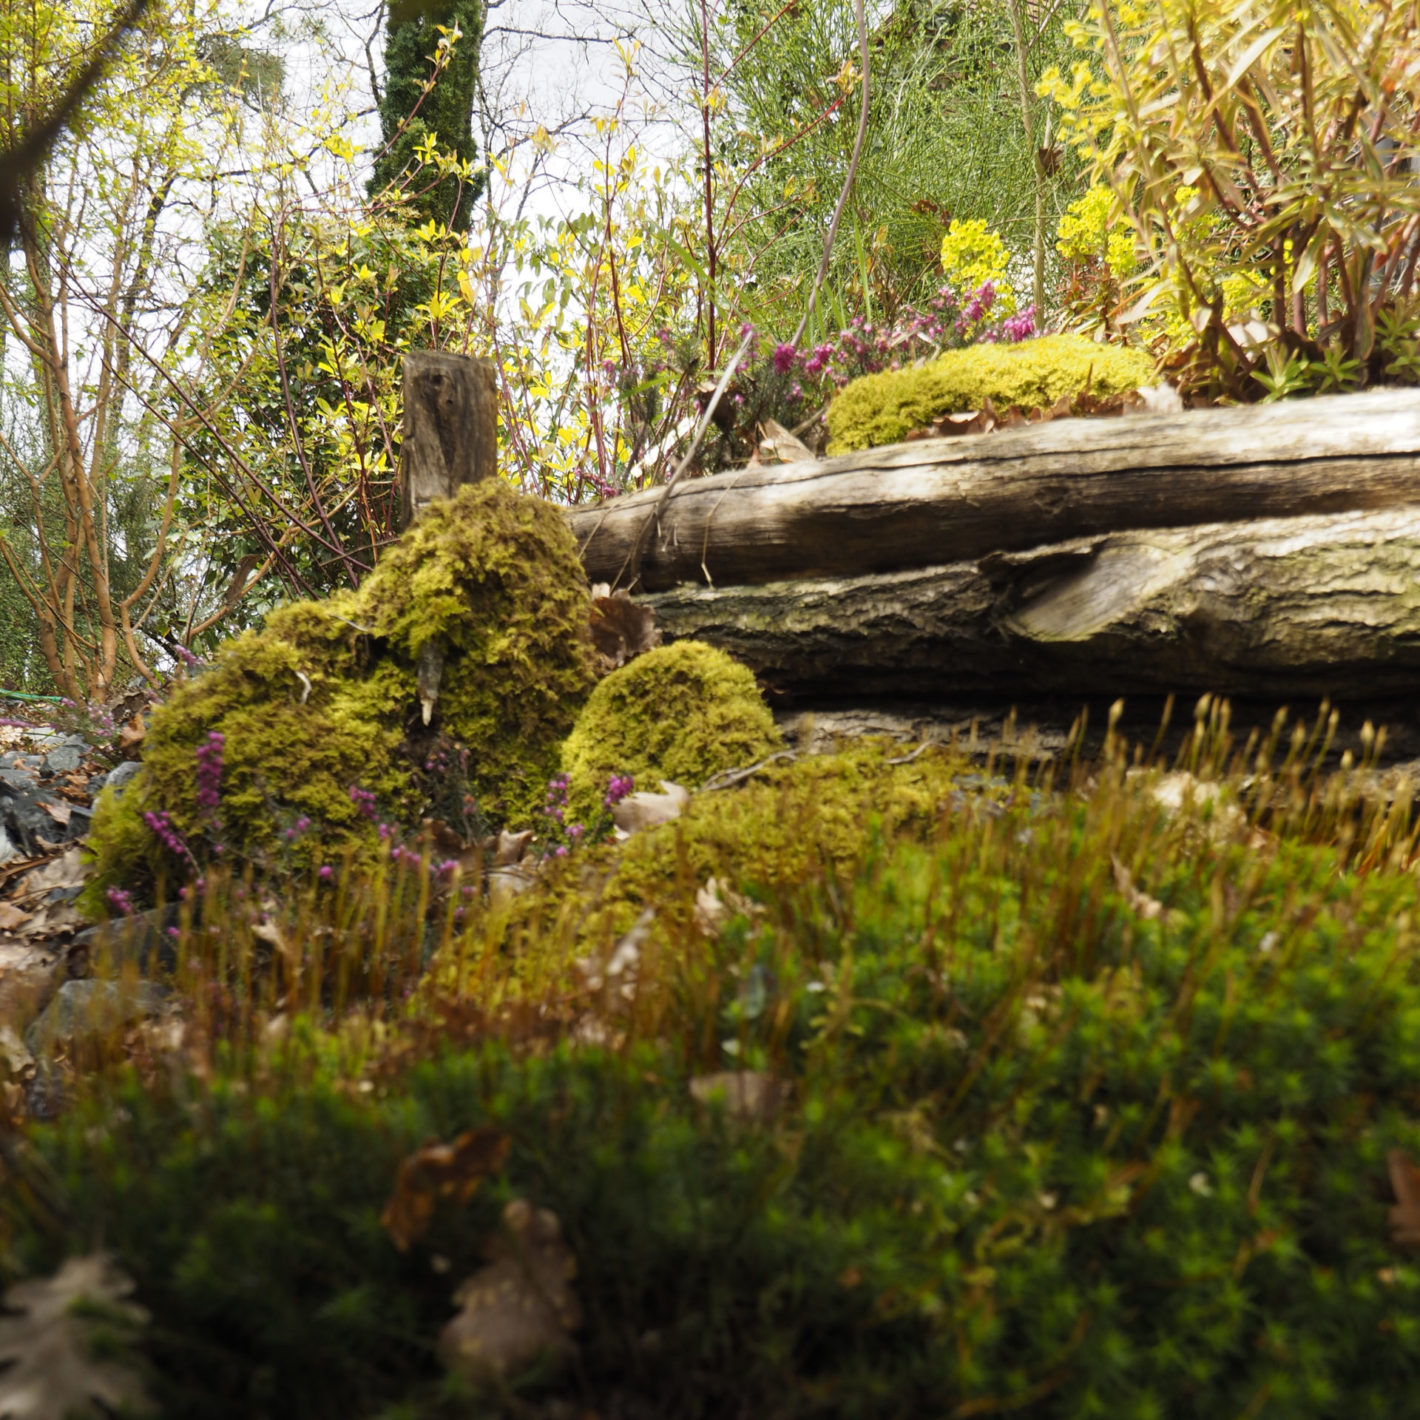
[{"x": 1086, "y": 1098}]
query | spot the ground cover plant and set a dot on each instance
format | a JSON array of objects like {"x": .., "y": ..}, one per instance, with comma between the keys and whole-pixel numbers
[{"x": 1084, "y": 1095}]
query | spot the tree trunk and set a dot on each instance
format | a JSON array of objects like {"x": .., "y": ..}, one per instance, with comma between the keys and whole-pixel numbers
[
  {"x": 450, "y": 428},
  {"x": 1308, "y": 606},
  {"x": 939, "y": 501}
]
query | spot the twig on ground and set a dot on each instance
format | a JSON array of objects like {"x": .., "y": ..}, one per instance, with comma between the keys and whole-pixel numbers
[{"x": 728, "y": 778}]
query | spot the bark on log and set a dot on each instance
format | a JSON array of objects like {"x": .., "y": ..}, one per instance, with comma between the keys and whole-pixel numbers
[
  {"x": 450, "y": 428},
  {"x": 1309, "y": 606},
  {"x": 940, "y": 501}
]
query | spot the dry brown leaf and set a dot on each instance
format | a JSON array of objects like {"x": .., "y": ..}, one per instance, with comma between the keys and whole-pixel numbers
[
  {"x": 65, "y": 871},
  {"x": 1147, "y": 907},
  {"x": 132, "y": 734},
  {"x": 440, "y": 1171},
  {"x": 717, "y": 905},
  {"x": 748, "y": 1095},
  {"x": 778, "y": 445},
  {"x": 11, "y": 917},
  {"x": 646, "y": 810},
  {"x": 48, "y": 1369},
  {"x": 521, "y": 1306},
  {"x": 622, "y": 629},
  {"x": 60, "y": 812},
  {"x": 1405, "y": 1216}
]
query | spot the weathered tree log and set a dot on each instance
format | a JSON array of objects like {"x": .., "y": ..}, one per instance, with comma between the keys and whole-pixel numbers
[
  {"x": 1310, "y": 606},
  {"x": 939, "y": 501},
  {"x": 450, "y": 428}
]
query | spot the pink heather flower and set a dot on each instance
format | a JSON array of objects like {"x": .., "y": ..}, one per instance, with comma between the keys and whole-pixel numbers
[
  {"x": 209, "y": 775},
  {"x": 784, "y": 356},
  {"x": 617, "y": 788},
  {"x": 364, "y": 801},
  {"x": 325, "y": 873},
  {"x": 120, "y": 901}
]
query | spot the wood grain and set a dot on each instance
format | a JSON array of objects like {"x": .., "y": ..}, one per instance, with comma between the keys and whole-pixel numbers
[
  {"x": 1321, "y": 605},
  {"x": 942, "y": 501}
]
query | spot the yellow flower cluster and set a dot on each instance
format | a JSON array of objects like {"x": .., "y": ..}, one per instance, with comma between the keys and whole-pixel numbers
[
  {"x": 1093, "y": 227},
  {"x": 972, "y": 255}
]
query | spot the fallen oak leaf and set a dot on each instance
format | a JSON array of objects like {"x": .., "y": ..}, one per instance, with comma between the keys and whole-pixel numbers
[
  {"x": 50, "y": 1368},
  {"x": 58, "y": 810},
  {"x": 12, "y": 917},
  {"x": 440, "y": 1171},
  {"x": 132, "y": 734},
  {"x": 521, "y": 1306},
  {"x": 621, "y": 628}
]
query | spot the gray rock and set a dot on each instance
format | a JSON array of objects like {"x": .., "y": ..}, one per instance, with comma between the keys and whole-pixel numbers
[
  {"x": 119, "y": 775},
  {"x": 141, "y": 939},
  {"x": 91, "y": 1008},
  {"x": 64, "y": 760},
  {"x": 25, "y": 819}
]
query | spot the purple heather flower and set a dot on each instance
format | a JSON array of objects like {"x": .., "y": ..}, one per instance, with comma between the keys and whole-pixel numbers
[
  {"x": 784, "y": 356},
  {"x": 325, "y": 872},
  {"x": 209, "y": 776},
  {"x": 120, "y": 901},
  {"x": 617, "y": 788}
]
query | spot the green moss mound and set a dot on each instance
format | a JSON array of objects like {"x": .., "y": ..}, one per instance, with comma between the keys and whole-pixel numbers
[
  {"x": 682, "y": 712},
  {"x": 325, "y": 696},
  {"x": 885, "y": 408}
]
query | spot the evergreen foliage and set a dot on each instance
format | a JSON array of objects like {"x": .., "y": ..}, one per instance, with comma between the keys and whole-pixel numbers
[{"x": 410, "y": 118}]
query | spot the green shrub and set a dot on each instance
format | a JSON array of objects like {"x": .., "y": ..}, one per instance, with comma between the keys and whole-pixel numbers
[
  {"x": 885, "y": 408},
  {"x": 682, "y": 712}
]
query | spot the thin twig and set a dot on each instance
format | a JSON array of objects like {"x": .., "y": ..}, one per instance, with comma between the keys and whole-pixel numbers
[
  {"x": 832, "y": 234},
  {"x": 653, "y": 514},
  {"x": 728, "y": 778}
]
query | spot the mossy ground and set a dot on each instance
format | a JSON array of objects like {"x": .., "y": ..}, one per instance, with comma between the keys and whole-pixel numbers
[
  {"x": 325, "y": 698},
  {"x": 885, "y": 408},
  {"x": 1087, "y": 1107}
]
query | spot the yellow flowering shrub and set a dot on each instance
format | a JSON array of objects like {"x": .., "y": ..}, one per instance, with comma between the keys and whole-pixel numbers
[{"x": 1250, "y": 196}]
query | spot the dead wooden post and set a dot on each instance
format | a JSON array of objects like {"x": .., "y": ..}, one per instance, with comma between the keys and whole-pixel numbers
[
  {"x": 450, "y": 439},
  {"x": 450, "y": 427}
]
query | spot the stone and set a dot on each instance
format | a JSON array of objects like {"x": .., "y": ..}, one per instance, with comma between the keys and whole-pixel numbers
[
  {"x": 142, "y": 939},
  {"x": 91, "y": 1007},
  {"x": 118, "y": 777},
  {"x": 64, "y": 760}
]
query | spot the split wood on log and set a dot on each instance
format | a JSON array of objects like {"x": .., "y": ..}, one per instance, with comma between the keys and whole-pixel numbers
[
  {"x": 938, "y": 501},
  {"x": 1309, "y": 606},
  {"x": 450, "y": 428}
]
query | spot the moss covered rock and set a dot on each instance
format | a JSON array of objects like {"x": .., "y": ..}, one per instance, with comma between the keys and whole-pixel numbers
[
  {"x": 885, "y": 408},
  {"x": 681, "y": 712},
  {"x": 325, "y": 698}
]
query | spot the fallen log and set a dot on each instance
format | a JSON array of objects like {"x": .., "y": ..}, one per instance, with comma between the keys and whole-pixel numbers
[
  {"x": 939, "y": 501},
  {"x": 1308, "y": 606}
]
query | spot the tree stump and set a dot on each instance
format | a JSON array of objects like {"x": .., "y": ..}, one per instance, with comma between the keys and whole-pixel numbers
[{"x": 450, "y": 427}]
